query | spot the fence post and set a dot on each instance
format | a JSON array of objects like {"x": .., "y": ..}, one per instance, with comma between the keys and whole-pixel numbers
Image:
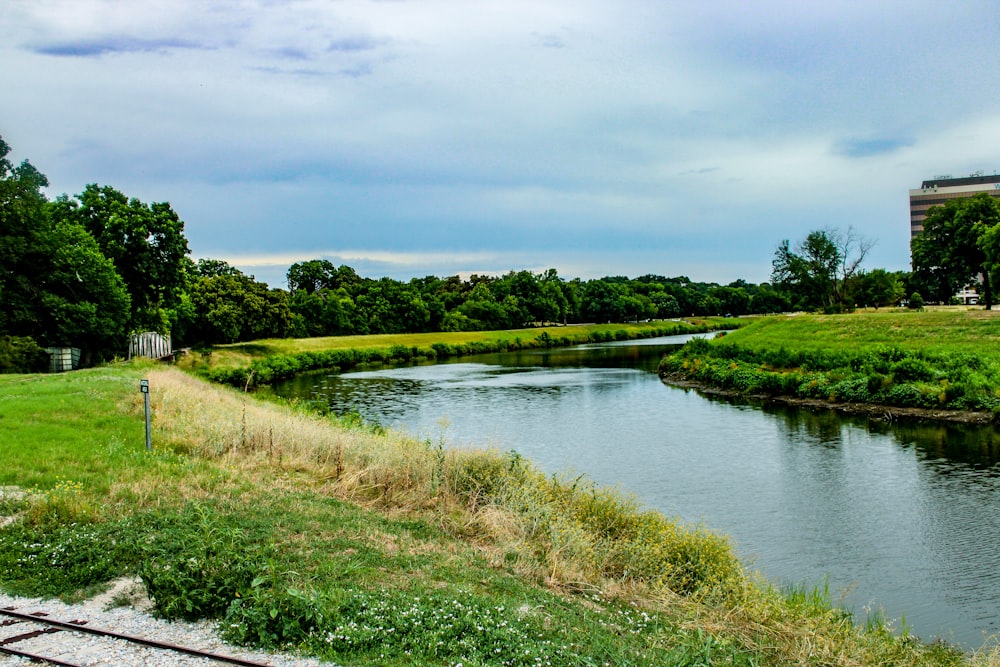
[{"x": 144, "y": 388}]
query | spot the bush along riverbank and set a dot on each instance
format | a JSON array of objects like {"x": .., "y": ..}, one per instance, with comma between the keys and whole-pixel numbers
[
  {"x": 365, "y": 351},
  {"x": 867, "y": 361},
  {"x": 304, "y": 533}
]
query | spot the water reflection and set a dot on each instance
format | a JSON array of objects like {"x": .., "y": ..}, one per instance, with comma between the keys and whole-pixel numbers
[{"x": 900, "y": 515}]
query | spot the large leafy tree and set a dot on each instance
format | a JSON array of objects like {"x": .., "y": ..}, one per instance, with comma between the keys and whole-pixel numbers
[
  {"x": 56, "y": 286},
  {"x": 818, "y": 271},
  {"x": 83, "y": 300},
  {"x": 956, "y": 247},
  {"x": 877, "y": 288},
  {"x": 603, "y": 301},
  {"x": 22, "y": 218},
  {"x": 146, "y": 242},
  {"x": 311, "y": 276}
]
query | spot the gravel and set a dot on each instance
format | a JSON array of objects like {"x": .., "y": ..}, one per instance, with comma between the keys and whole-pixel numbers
[{"x": 106, "y": 613}]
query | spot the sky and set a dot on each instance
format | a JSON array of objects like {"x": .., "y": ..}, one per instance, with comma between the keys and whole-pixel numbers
[{"x": 408, "y": 138}]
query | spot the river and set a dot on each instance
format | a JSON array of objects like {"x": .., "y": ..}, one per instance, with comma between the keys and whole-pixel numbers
[{"x": 899, "y": 517}]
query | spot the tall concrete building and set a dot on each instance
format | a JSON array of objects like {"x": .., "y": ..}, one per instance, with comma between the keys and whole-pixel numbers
[{"x": 940, "y": 189}]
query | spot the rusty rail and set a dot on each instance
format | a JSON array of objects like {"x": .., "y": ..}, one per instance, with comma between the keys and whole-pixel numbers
[{"x": 54, "y": 626}]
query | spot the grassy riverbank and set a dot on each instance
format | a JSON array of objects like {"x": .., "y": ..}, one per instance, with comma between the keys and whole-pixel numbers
[
  {"x": 943, "y": 360},
  {"x": 300, "y": 532},
  {"x": 265, "y": 361}
]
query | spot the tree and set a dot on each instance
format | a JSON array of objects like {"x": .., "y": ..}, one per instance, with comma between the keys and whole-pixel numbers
[
  {"x": 817, "y": 272},
  {"x": 732, "y": 300},
  {"x": 768, "y": 300},
  {"x": 482, "y": 310},
  {"x": 311, "y": 276},
  {"x": 601, "y": 301},
  {"x": 985, "y": 212},
  {"x": 83, "y": 300},
  {"x": 233, "y": 307},
  {"x": 210, "y": 268},
  {"x": 956, "y": 247},
  {"x": 56, "y": 286},
  {"x": 145, "y": 242},
  {"x": 877, "y": 288},
  {"x": 22, "y": 217}
]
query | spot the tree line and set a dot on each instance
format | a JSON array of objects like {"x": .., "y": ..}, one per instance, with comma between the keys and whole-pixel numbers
[{"x": 87, "y": 270}]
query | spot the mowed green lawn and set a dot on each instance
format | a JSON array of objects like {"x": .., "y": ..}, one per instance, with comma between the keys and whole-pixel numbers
[
  {"x": 70, "y": 426},
  {"x": 937, "y": 331}
]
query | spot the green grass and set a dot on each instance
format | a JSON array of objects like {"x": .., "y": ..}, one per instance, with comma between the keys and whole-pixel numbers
[
  {"x": 933, "y": 331},
  {"x": 933, "y": 360},
  {"x": 296, "y": 531},
  {"x": 59, "y": 425}
]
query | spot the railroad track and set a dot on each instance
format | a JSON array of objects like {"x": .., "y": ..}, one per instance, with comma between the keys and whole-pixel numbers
[{"x": 38, "y": 638}]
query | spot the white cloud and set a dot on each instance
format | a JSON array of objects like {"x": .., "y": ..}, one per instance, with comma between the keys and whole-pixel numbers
[{"x": 640, "y": 129}]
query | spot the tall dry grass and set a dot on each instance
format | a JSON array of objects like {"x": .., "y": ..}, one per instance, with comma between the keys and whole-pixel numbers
[{"x": 567, "y": 532}]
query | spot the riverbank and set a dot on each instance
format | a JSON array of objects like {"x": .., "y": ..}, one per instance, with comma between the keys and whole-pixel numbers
[
  {"x": 311, "y": 534},
  {"x": 246, "y": 365},
  {"x": 942, "y": 365},
  {"x": 887, "y": 413}
]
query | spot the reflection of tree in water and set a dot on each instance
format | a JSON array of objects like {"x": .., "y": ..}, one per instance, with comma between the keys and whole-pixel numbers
[
  {"x": 948, "y": 442},
  {"x": 978, "y": 446},
  {"x": 822, "y": 427}
]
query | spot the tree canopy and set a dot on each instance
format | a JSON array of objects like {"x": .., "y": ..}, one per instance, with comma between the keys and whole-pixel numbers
[
  {"x": 145, "y": 241},
  {"x": 818, "y": 273},
  {"x": 56, "y": 286},
  {"x": 959, "y": 244}
]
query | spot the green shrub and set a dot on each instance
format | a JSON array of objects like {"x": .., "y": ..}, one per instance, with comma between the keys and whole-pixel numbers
[
  {"x": 272, "y": 617},
  {"x": 400, "y": 353},
  {"x": 194, "y": 564},
  {"x": 912, "y": 369},
  {"x": 22, "y": 355},
  {"x": 854, "y": 390}
]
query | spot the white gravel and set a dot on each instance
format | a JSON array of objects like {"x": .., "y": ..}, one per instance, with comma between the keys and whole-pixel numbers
[{"x": 129, "y": 620}]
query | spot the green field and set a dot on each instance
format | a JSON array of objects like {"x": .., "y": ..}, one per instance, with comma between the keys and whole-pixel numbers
[
  {"x": 946, "y": 359},
  {"x": 934, "y": 331},
  {"x": 309, "y": 534}
]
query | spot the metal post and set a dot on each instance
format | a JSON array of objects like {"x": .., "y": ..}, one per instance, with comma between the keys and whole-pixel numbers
[{"x": 144, "y": 388}]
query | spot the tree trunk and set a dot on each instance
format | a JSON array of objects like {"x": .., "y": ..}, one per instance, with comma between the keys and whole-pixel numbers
[{"x": 987, "y": 288}]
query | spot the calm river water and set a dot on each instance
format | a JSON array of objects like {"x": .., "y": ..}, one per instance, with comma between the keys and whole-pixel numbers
[{"x": 903, "y": 517}]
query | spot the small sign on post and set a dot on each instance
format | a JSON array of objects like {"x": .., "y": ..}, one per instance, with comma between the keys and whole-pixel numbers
[{"x": 144, "y": 388}]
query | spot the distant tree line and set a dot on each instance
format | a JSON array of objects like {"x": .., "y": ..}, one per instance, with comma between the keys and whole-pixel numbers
[{"x": 87, "y": 270}]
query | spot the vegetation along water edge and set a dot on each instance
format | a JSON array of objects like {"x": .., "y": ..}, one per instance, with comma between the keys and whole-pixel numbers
[
  {"x": 262, "y": 362},
  {"x": 941, "y": 363},
  {"x": 308, "y": 533}
]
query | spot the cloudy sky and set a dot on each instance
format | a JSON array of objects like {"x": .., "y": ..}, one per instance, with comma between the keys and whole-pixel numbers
[{"x": 416, "y": 137}]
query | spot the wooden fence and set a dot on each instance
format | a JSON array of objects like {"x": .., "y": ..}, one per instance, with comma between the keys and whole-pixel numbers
[{"x": 149, "y": 344}]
